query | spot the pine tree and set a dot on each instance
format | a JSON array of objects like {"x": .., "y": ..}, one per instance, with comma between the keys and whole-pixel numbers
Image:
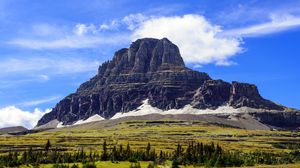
[
  {"x": 148, "y": 148},
  {"x": 104, "y": 155},
  {"x": 31, "y": 156},
  {"x": 24, "y": 157},
  {"x": 121, "y": 153},
  {"x": 188, "y": 155},
  {"x": 128, "y": 151},
  {"x": 114, "y": 155},
  {"x": 47, "y": 146},
  {"x": 178, "y": 151}
]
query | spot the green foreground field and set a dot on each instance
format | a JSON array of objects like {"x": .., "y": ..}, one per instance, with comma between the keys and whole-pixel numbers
[
  {"x": 104, "y": 164},
  {"x": 162, "y": 136},
  {"x": 108, "y": 164}
]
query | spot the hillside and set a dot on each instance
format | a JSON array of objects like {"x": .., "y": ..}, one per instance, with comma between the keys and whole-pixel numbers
[
  {"x": 12, "y": 130},
  {"x": 151, "y": 77}
]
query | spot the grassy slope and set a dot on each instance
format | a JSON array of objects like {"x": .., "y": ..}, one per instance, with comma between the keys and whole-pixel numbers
[
  {"x": 162, "y": 136},
  {"x": 108, "y": 164}
]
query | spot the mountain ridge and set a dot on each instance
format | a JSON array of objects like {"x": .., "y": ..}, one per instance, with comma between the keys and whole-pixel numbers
[
  {"x": 151, "y": 69},
  {"x": 12, "y": 130}
]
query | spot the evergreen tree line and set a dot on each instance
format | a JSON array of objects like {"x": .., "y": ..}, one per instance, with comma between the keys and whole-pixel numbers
[{"x": 209, "y": 155}]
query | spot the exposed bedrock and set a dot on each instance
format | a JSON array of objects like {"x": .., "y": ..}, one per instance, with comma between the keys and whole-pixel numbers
[
  {"x": 288, "y": 120},
  {"x": 151, "y": 69}
]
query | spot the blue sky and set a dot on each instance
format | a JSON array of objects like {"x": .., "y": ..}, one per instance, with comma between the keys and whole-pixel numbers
[{"x": 49, "y": 47}]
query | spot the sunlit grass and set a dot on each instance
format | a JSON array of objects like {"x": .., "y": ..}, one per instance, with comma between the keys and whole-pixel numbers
[{"x": 162, "y": 136}]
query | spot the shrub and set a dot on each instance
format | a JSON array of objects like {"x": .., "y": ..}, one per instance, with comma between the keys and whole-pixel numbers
[
  {"x": 89, "y": 165},
  {"x": 60, "y": 166},
  {"x": 175, "y": 163},
  {"x": 75, "y": 166},
  {"x": 135, "y": 165}
]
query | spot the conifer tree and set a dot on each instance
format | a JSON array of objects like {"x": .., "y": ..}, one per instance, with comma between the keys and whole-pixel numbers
[
  {"x": 47, "y": 146},
  {"x": 104, "y": 155}
]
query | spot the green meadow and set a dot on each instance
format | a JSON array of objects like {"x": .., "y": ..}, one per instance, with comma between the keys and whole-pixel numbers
[{"x": 163, "y": 136}]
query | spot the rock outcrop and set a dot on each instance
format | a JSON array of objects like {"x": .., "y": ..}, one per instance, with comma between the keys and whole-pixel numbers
[
  {"x": 279, "y": 120},
  {"x": 151, "y": 69}
]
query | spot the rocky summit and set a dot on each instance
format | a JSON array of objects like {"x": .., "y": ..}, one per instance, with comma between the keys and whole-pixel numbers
[{"x": 152, "y": 69}]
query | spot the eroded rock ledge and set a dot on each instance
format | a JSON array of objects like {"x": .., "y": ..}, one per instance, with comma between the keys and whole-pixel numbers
[{"x": 151, "y": 69}]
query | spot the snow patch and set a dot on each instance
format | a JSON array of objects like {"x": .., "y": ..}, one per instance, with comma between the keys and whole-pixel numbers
[
  {"x": 60, "y": 125},
  {"x": 93, "y": 118},
  {"x": 146, "y": 109}
]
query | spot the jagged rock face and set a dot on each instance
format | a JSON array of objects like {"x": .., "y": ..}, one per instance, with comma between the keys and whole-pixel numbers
[
  {"x": 290, "y": 120},
  {"x": 151, "y": 69},
  {"x": 215, "y": 93},
  {"x": 243, "y": 94},
  {"x": 212, "y": 94}
]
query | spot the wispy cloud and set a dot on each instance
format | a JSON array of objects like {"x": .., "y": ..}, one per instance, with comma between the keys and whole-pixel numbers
[
  {"x": 38, "y": 102},
  {"x": 76, "y": 41},
  {"x": 132, "y": 21},
  {"x": 81, "y": 29},
  {"x": 64, "y": 65},
  {"x": 200, "y": 41},
  {"x": 129, "y": 22},
  {"x": 112, "y": 25},
  {"x": 44, "y": 36},
  {"x": 12, "y": 83},
  {"x": 44, "y": 77},
  {"x": 277, "y": 24}
]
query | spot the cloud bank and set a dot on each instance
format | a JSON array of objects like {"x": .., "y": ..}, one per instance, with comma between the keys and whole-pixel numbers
[
  {"x": 13, "y": 116},
  {"x": 196, "y": 38}
]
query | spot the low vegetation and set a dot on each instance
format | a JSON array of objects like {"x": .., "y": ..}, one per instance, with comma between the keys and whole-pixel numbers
[
  {"x": 208, "y": 155},
  {"x": 150, "y": 144}
]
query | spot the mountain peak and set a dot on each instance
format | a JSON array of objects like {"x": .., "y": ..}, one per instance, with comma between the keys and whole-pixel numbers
[
  {"x": 151, "y": 69},
  {"x": 144, "y": 55}
]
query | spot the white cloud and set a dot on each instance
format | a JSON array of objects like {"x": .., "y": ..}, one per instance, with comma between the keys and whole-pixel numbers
[
  {"x": 199, "y": 41},
  {"x": 13, "y": 116},
  {"x": 196, "y": 38},
  {"x": 130, "y": 22},
  {"x": 38, "y": 102},
  {"x": 278, "y": 23},
  {"x": 82, "y": 29},
  {"x": 44, "y": 77},
  {"x": 134, "y": 20},
  {"x": 112, "y": 25}
]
